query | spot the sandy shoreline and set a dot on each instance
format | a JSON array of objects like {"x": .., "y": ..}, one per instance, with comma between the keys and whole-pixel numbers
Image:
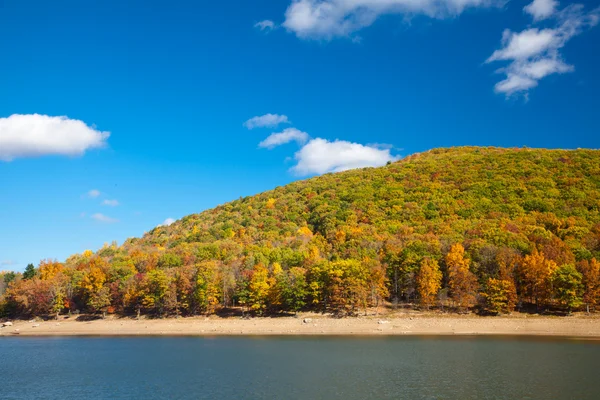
[{"x": 576, "y": 326}]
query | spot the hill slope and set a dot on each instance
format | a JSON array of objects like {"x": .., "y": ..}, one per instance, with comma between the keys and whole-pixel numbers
[{"x": 458, "y": 222}]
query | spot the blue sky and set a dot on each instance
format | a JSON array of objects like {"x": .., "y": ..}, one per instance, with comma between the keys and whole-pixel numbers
[{"x": 154, "y": 96}]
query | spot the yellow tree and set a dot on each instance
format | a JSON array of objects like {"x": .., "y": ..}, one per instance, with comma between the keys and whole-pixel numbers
[
  {"x": 259, "y": 287},
  {"x": 275, "y": 297},
  {"x": 48, "y": 269},
  {"x": 461, "y": 281},
  {"x": 429, "y": 281},
  {"x": 208, "y": 287},
  {"x": 97, "y": 296},
  {"x": 535, "y": 274}
]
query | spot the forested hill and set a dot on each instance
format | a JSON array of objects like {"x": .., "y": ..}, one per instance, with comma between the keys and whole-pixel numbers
[{"x": 456, "y": 227}]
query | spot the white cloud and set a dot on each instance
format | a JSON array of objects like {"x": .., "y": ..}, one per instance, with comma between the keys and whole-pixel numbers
[
  {"x": 267, "y": 25},
  {"x": 103, "y": 218},
  {"x": 535, "y": 54},
  {"x": 320, "y": 156},
  {"x": 167, "y": 222},
  {"x": 93, "y": 193},
  {"x": 326, "y": 19},
  {"x": 381, "y": 146},
  {"x": 526, "y": 44},
  {"x": 111, "y": 203},
  {"x": 541, "y": 9},
  {"x": 7, "y": 263},
  {"x": 288, "y": 135},
  {"x": 35, "y": 135},
  {"x": 266, "y": 121}
]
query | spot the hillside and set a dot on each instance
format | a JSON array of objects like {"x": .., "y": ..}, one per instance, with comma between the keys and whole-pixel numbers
[{"x": 449, "y": 227}]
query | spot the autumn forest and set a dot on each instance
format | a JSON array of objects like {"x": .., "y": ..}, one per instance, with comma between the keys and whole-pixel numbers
[{"x": 489, "y": 230}]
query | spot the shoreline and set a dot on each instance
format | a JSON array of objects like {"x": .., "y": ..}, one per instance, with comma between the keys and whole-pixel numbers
[{"x": 586, "y": 327}]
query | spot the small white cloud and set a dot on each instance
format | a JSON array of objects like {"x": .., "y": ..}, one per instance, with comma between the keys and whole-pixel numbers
[
  {"x": 326, "y": 19},
  {"x": 111, "y": 203},
  {"x": 93, "y": 193},
  {"x": 167, "y": 222},
  {"x": 35, "y": 135},
  {"x": 382, "y": 146},
  {"x": 103, "y": 218},
  {"x": 267, "y": 25},
  {"x": 541, "y": 9},
  {"x": 535, "y": 54},
  {"x": 7, "y": 263},
  {"x": 288, "y": 135},
  {"x": 266, "y": 121},
  {"x": 320, "y": 156}
]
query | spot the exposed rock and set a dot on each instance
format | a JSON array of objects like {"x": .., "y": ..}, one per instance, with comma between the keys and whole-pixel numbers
[
  {"x": 307, "y": 320},
  {"x": 8, "y": 323},
  {"x": 381, "y": 322}
]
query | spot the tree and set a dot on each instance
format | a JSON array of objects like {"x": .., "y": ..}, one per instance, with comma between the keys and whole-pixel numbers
[
  {"x": 429, "y": 281},
  {"x": 259, "y": 287},
  {"x": 378, "y": 282},
  {"x": 48, "y": 269},
  {"x": 155, "y": 288},
  {"x": 100, "y": 300},
  {"x": 207, "y": 290},
  {"x": 567, "y": 284},
  {"x": 535, "y": 274},
  {"x": 461, "y": 281},
  {"x": 590, "y": 271},
  {"x": 29, "y": 271},
  {"x": 9, "y": 276},
  {"x": 293, "y": 288},
  {"x": 499, "y": 296},
  {"x": 93, "y": 290}
]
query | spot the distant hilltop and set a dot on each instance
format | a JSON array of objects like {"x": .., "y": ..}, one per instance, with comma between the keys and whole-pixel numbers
[{"x": 457, "y": 228}]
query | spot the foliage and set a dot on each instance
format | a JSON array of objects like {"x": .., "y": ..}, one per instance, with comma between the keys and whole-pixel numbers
[
  {"x": 536, "y": 274},
  {"x": 429, "y": 281},
  {"x": 489, "y": 220},
  {"x": 29, "y": 272},
  {"x": 567, "y": 283},
  {"x": 500, "y": 296},
  {"x": 461, "y": 281}
]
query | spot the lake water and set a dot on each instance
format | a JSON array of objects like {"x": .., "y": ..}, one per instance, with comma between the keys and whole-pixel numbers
[{"x": 298, "y": 368}]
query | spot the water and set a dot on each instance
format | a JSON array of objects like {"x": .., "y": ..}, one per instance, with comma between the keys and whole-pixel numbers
[{"x": 298, "y": 368}]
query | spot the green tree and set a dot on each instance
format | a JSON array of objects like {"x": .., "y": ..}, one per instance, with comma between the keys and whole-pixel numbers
[
  {"x": 9, "y": 277},
  {"x": 293, "y": 288},
  {"x": 29, "y": 271},
  {"x": 155, "y": 289},
  {"x": 100, "y": 300},
  {"x": 567, "y": 286}
]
